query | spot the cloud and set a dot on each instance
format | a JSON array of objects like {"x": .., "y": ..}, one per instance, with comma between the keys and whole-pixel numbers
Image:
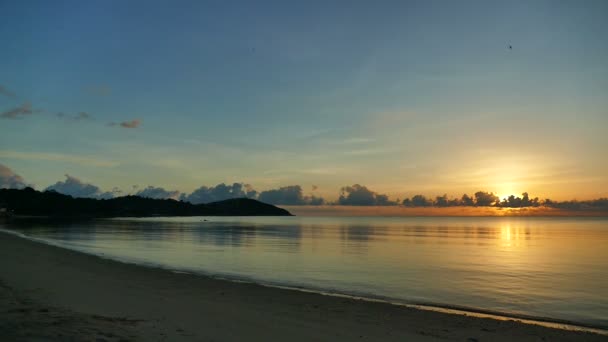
[
  {"x": 76, "y": 117},
  {"x": 158, "y": 193},
  {"x": 361, "y": 195},
  {"x": 19, "y": 112},
  {"x": 126, "y": 124},
  {"x": 57, "y": 157},
  {"x": 130, "y": 124},
  {"x": 76, "y": 188},
  {"x": 289, "y": 195},
  {"x": 4, "y": 91},
  {"x": 9, "y": 179},
  {"x": 219, "y": 192}
]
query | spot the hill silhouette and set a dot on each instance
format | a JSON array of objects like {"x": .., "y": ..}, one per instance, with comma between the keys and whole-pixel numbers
[{"x": 51, "y": 203}]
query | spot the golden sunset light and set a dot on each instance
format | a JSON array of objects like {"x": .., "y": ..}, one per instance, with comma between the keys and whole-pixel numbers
[{"x": 409, "y": 170}]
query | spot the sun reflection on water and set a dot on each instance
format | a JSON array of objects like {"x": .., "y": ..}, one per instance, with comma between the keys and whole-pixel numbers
[
  {"x": 505, "y": 234},
  {"x": 511, "y": 236}
]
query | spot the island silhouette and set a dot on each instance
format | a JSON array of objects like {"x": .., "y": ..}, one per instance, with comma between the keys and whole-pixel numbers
[{"x": 29, "y": 202}]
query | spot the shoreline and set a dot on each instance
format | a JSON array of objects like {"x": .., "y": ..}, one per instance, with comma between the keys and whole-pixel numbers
[
  {"x": 549, "y": 322},
  {"x": 438, "y": 322}
]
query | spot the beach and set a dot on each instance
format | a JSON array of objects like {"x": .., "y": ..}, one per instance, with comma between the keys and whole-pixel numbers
[{"x": 51, "y": 293}]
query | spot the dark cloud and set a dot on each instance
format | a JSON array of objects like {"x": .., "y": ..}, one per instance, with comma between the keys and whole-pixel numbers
[
  {"x": 289, "y": 195},
  {"x": 9, "y": 179},
  {"x": 250, "y": 191},
  {"x": 219, "y": 192},
  {"x": 75, "y": 187},
  {"x": 4, "y": 91},
  {"x": 361, "y": 195},
  {"x": 19, "y": 112},
  {"x": 126, "y": 124},
  {"x": 158, "y": 193},
  {"x": 483, "y": 198}
]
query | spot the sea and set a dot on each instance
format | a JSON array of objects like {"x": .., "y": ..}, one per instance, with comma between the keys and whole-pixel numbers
[{"x": 546, "y": 268}]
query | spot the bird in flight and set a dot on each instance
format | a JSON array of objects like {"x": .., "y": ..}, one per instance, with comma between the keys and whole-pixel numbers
[{"x": 510, "y": 47}]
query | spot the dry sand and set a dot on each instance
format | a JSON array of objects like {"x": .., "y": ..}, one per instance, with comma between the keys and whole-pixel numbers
[{"x": 52, "y": 294}]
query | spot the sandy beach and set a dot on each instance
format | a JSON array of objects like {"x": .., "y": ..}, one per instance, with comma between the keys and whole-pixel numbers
[{"x": 50, "y": 293}]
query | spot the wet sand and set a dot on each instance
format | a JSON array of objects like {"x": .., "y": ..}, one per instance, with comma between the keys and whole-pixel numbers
[{"x": 50, "y": 293}]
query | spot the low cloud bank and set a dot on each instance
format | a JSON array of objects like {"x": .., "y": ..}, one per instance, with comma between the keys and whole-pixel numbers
[
  {"x": 289, "y": 195},
  {"x": 158, "y": 193},
  {"x": 76, "y": 188},
  {"x": 220, "y": 192},
  {"x": 293, "y": 195},
  {"x": 361, "y": 195}
]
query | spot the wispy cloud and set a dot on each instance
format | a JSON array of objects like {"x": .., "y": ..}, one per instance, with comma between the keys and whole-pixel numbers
[
  {"x": 18, "y": 112},
  {"x": 126, "y": 124},
  {"x": 75, "y": 159},
  {"x": 81, "y": 116},
  {"x": 6, "y": 92}
]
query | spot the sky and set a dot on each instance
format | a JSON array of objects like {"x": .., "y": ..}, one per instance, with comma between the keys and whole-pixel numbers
[{"x": 403, "y": 97}]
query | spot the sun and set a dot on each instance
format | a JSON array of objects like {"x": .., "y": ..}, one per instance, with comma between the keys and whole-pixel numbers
[
  {"x": 504, "y": 190},
  {"x": 508, "y": 178}
]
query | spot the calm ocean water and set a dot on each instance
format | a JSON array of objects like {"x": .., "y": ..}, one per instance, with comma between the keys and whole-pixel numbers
[{"x": 543, "y": 267}]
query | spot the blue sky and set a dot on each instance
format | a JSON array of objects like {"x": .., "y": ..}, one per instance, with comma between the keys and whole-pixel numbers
[{"x": 404, "y": 97}]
